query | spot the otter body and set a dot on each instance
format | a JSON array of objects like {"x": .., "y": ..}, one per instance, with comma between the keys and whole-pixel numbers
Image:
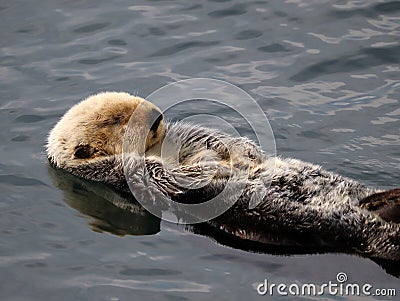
[{"x": 277, "y": 195}]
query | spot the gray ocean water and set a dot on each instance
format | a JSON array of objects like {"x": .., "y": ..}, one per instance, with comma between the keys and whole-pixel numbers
[{"x": 326, "y": 73}]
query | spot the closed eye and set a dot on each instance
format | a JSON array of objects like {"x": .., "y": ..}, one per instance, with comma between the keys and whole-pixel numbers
[{"x": 158, "y": 118}]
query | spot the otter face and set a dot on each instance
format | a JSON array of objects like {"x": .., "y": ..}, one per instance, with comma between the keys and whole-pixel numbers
[{"x": 95, "y": 127}]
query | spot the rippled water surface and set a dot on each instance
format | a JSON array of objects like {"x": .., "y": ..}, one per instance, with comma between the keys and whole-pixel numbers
[{"x": 326, "y": 73}]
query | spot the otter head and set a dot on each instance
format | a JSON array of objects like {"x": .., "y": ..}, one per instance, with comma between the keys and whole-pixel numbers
[{"x": 95, "y": 127}]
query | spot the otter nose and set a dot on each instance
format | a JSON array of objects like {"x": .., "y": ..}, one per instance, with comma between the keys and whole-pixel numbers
[{"x": 155, "y": 117}]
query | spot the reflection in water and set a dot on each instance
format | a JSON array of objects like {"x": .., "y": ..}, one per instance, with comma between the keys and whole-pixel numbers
[
  {"x": 109, "y": 211},
  {"x": 120, "y": 214}
]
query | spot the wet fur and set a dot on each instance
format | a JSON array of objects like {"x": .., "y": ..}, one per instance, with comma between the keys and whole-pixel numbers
[{"x": 292, "y": 197}]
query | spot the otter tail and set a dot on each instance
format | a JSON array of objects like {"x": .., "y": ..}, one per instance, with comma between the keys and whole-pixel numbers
[{"x": 386, "y": 204}]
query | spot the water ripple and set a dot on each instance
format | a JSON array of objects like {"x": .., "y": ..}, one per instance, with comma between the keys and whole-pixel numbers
[
  {"x": 20, "y": 181},
  {"x": 350, "y": 62},
  {"x": 90, "y": 27},
  {"x": 155, "y": 285},
  {"x": 236, "y": 10},
  {"x": 347, "y": 11},
  {"x": 182, "y": 46}
]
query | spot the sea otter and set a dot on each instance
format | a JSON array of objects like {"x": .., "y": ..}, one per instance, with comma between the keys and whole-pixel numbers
[{"x": 293, "y": 198}]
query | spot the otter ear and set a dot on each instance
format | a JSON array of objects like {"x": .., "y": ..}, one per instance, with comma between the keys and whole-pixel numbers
[{"x": 83, "y": 151}]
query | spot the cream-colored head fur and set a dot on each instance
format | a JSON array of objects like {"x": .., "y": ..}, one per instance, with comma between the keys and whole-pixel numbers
[{"x": 95, "y": 127}]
